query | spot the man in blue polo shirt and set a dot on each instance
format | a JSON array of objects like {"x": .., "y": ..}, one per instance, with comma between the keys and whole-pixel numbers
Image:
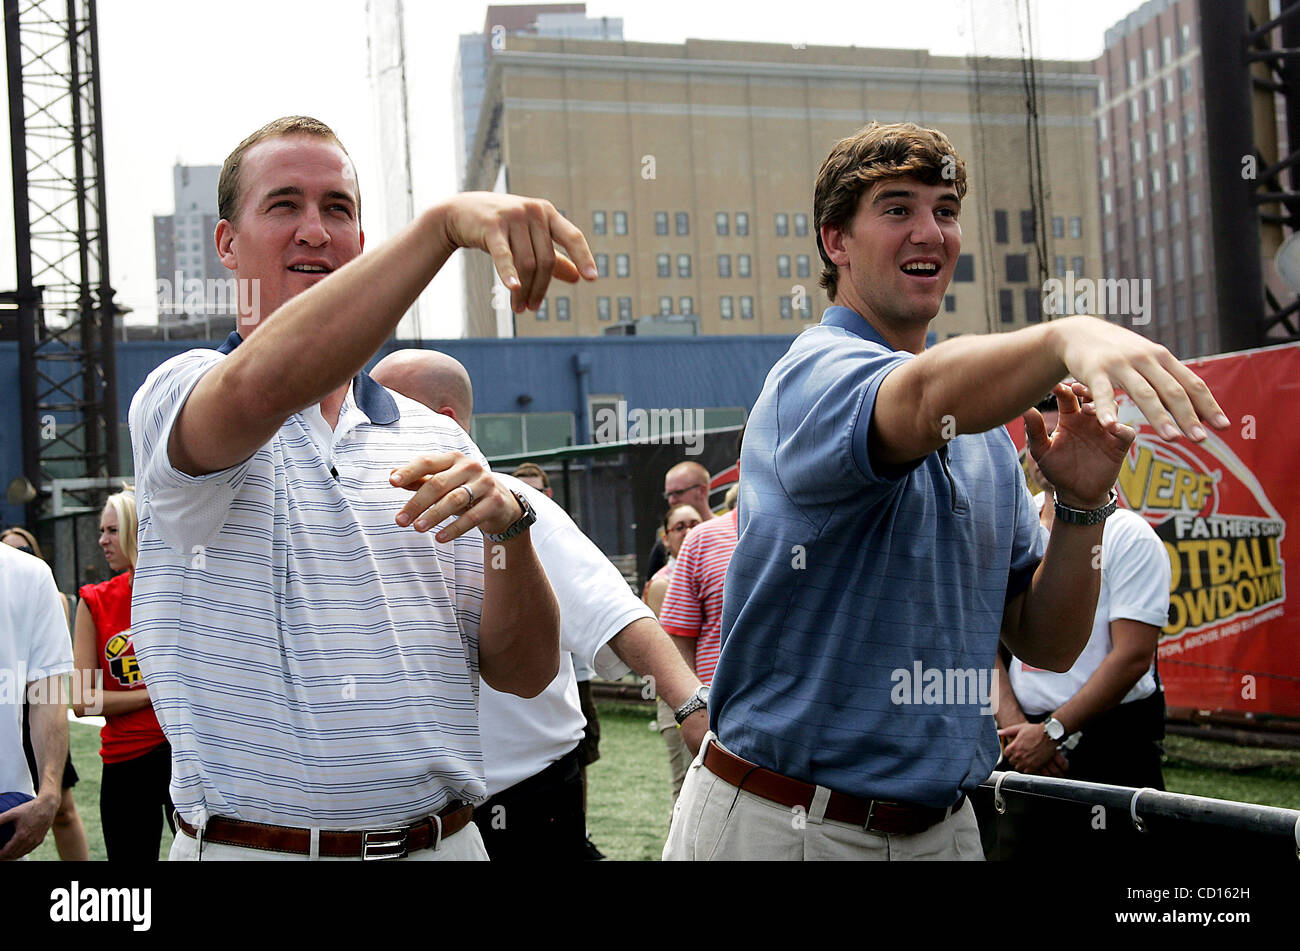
[{"x": 887, "y": 539}]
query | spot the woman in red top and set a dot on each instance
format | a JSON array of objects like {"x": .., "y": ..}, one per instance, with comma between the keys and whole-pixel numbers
[{"x": 133, "y": 796}]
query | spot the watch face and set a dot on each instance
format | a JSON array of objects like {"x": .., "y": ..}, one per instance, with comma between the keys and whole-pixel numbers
[
  {"x": 1055, "y": 730},
  {"x": 703, "y": 694}
]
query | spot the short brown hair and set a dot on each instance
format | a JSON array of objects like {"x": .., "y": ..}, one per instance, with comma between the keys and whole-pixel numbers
[
  {"x": 876, "y": 152},
  {"x": 533, "y": 470},
  {"x": 228, "y": 186}
]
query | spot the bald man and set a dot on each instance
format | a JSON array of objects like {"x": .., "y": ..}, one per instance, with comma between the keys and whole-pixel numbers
[
  {"x": 686, "y": 483},
  {"x": 530, "y": 747}
]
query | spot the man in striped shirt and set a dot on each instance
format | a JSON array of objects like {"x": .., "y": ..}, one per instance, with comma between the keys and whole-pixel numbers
[{"x": 312, "y": 653}]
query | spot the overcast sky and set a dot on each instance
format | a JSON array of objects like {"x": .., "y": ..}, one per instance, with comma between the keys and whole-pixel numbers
[{"x": 184, "y": 81}]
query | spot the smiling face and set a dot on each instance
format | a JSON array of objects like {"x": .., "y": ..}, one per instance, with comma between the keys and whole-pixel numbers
[
  {"x": 897, "y": 255},
  {"x": 109, "y": 541},
  {"x": 297, "y": 220},
  {"x": 678, "y": 522}
]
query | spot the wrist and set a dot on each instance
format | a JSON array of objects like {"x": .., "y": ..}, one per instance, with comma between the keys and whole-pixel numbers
[{"x": 1080, "y": 502}]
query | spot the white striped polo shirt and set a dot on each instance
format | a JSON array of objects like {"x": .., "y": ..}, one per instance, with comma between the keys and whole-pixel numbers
[{"x": 312, "y": 663}]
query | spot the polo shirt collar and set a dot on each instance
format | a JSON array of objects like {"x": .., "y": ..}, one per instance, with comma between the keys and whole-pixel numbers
[
  {"x": 848, "y": 319},
  {"x": 371, "y": 398}
]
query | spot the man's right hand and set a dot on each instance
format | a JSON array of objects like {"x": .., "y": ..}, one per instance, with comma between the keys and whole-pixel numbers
[
  {"x": 31, "y": 821},
  {"x": 1105, "y": 357},
  {"x": 520, "y": 234}
]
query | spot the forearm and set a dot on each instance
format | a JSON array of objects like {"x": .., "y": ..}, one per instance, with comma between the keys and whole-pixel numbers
[
  {"x": 1055, "y": 616},
  {"x": 686, "y": 647},
  {"x": 1008, "y": 710},
  {"x": 49, "y": 729},
  {"x": 647, "y": 649},
  {"x": 112, "y": 703},
  {"x": 1104, "y": 690},
  {"x": 519, "y": 630}
]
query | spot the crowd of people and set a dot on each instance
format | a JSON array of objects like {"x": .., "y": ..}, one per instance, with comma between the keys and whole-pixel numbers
[{"x": 338, "y": 634}]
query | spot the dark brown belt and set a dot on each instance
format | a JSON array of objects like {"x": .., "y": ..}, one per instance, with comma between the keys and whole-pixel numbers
[
  {"x": 392, "y": 843},
  {"x": 874, "y": 815}
]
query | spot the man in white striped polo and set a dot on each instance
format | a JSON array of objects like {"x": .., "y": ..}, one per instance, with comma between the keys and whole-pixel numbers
[{"x": 313, "y": 654}]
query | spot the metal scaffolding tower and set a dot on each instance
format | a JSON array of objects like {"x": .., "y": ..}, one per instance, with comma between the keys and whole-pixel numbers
[{"x": 64, "y": 303}]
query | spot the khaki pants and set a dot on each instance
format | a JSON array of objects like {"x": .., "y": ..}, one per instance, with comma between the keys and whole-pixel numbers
[
  {"x": 465, "y": 845},
  {"x": 715, "y": 820},
  {"x": 679, "y": 756}
]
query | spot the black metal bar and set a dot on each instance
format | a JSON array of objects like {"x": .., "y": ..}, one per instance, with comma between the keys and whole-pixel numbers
[
  {"x": 1267, "y": 55},
  {"x": 1265, "y": 198},
  {"x": 107, "y": 304},
  {"x": 1263, "y": 31}
]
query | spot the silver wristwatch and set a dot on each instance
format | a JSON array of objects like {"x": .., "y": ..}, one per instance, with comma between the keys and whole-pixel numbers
[
  {"x": 521, "y": 524},
  {"x": 698, "y": 701},
  {"x": 1054, "y": 729},
  {"x": 1073, "y": 516}
]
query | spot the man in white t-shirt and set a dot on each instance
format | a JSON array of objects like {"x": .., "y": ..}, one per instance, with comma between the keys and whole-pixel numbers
[
  {"x": 313, "y": 655},
  {"x": 1103, "y": 719},
  {"x": 35, "y": 653},
  {"x": 530, "y": 747}
]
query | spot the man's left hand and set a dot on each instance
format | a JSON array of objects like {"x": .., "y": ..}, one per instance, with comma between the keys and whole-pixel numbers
[
  {"x": 439, "y": 481},
  {"x": 1030, "y": 750},
  {"x": 693, "y": 730},
  {"x": 1082, "y": 458},
  {"x": 31, "y": 821}
]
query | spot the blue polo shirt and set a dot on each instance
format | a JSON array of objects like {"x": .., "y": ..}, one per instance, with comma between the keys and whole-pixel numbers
[{"x": 862, "y": 610}]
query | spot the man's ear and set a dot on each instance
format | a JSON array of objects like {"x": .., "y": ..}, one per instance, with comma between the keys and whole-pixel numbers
[
  {"x": 833, "y": 241},
  {"x": 225, "y": 237}
]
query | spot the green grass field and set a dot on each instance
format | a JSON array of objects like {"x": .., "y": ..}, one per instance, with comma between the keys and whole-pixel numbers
[{"x": 628, "y": 788}]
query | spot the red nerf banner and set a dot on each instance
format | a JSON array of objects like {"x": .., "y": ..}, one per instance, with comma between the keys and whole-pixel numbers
[{"x": 1223, "y": 509}]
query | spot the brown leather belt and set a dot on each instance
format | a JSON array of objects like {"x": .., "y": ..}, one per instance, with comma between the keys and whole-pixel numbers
[
  {"x": 392, "y": 843},
  {"x": 874, "y": 815}
]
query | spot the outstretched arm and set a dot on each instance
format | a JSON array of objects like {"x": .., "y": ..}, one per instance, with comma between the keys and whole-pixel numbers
[{"x": 322, "y": 337}]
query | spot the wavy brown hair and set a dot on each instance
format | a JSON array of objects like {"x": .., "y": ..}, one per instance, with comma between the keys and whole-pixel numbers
[{"x": 229, "y": 194}]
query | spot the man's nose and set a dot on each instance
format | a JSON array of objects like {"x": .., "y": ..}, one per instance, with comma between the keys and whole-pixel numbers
[
  {"x": 311, "y": 229},
  {"x": 926, "y": 230}
]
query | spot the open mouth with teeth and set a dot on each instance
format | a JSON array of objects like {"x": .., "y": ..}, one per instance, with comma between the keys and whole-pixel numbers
[
  {"x": 920, "y": 269},
  {"x": 309, "y": 268}
]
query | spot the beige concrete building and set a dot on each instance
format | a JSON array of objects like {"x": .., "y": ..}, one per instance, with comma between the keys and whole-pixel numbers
[{"x": 690, "y": 168}]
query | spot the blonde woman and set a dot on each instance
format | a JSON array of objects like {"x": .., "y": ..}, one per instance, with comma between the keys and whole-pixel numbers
[{"x": 133, "y": 798}]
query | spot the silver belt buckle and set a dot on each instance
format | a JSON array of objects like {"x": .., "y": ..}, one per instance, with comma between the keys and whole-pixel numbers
[
  {"x": 871, "y": 811},
  {"x": 375, "y": 848}
]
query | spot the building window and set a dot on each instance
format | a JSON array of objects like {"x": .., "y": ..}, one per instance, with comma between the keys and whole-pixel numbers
[
  {"x": 1171, "y": 132},
  {"x": 1137, "y": 150},
  {"x": 1167, "y": 50},
  {"x": 1157, "y": 220},
  {"x": 1017, "y": 268},
  {"x": 665, "y": 306},
  {"x": 1105, "y": 170},
  {"x": 1185, "y": 38},
  {"x": 1109, "y": 240},
  {"x": 620, "y": 222},
  {"x": 683, "y": 265},
  {"x": 683, "y": 222},
  {"x": 782, "y": 224},
  {"x": 663, "y": 265},
  {"x": 1189, "y": 124},
  {"x": 1193, "y": 205},
  {"x": 1028, "y": 227},
  {"x": 542, "y": 312},
  {"x": 742, "y": 265},
  {"x": 801, "y": 266},
  {"x": 1076, "y": 264},
  {"x": 783, "y": 265},
  {"x": 1169, "y": 88},
  {"x": 724, "y": 265},
  {"x": 950, "y": 303},
  {"x": 602, "y": 265},
  {"x": 742, "y": 224},
  {"x": 1185, "y": 78},
  {"x": 1006, "y": 305},
  {"x": 622, "y": 265},
  {"x": 1180, "y": 308},
  {"x": 1076, "y": 226},
  {"x": 964, "y": 272},
  {"x": 722, "y": 223},
  {"x": 1102, "y": 129},
  {"x": 1176, "y": 209},
  {"x": 561, "y": 308},
  {"x": 1133, "y": 111},
  {"x": 1191, "y": 165},
  {"x": 801, "y": 225},
  {"x": 625, "y": 308},
  {"x": 747, "y": 308},
  {"x": 787, "y": 307},
  {"x": 661, "y": 222},
  {"x": 1198, "y": 257},
  {"x": 597, "y": 222},
  {"x": 1198, "y": 303},
  {"x": 1033, "y": 305},
  {"x": 1139, "y": 191},
  {"x": 725, "y": 308},
  {"x": 1000, "y": 226},
  {"x": 1058, "y": 223},
  {"x": 687, "y": 305},
  {"x": 1105, "y": 203},
  {"x": 1150, "y": 53},
  {"x": 602, "y": 308},
  {"x": 805, "y": 309},
  {"x": 1180, "y": 263},
  {"x": 1058, "y": 264},
  {"x": 1151, "y": 100},
  {"x": 1153, "y": 142},
  {"x": 1162, "y": 266},
  {"x": 1132, "y": 72}
]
